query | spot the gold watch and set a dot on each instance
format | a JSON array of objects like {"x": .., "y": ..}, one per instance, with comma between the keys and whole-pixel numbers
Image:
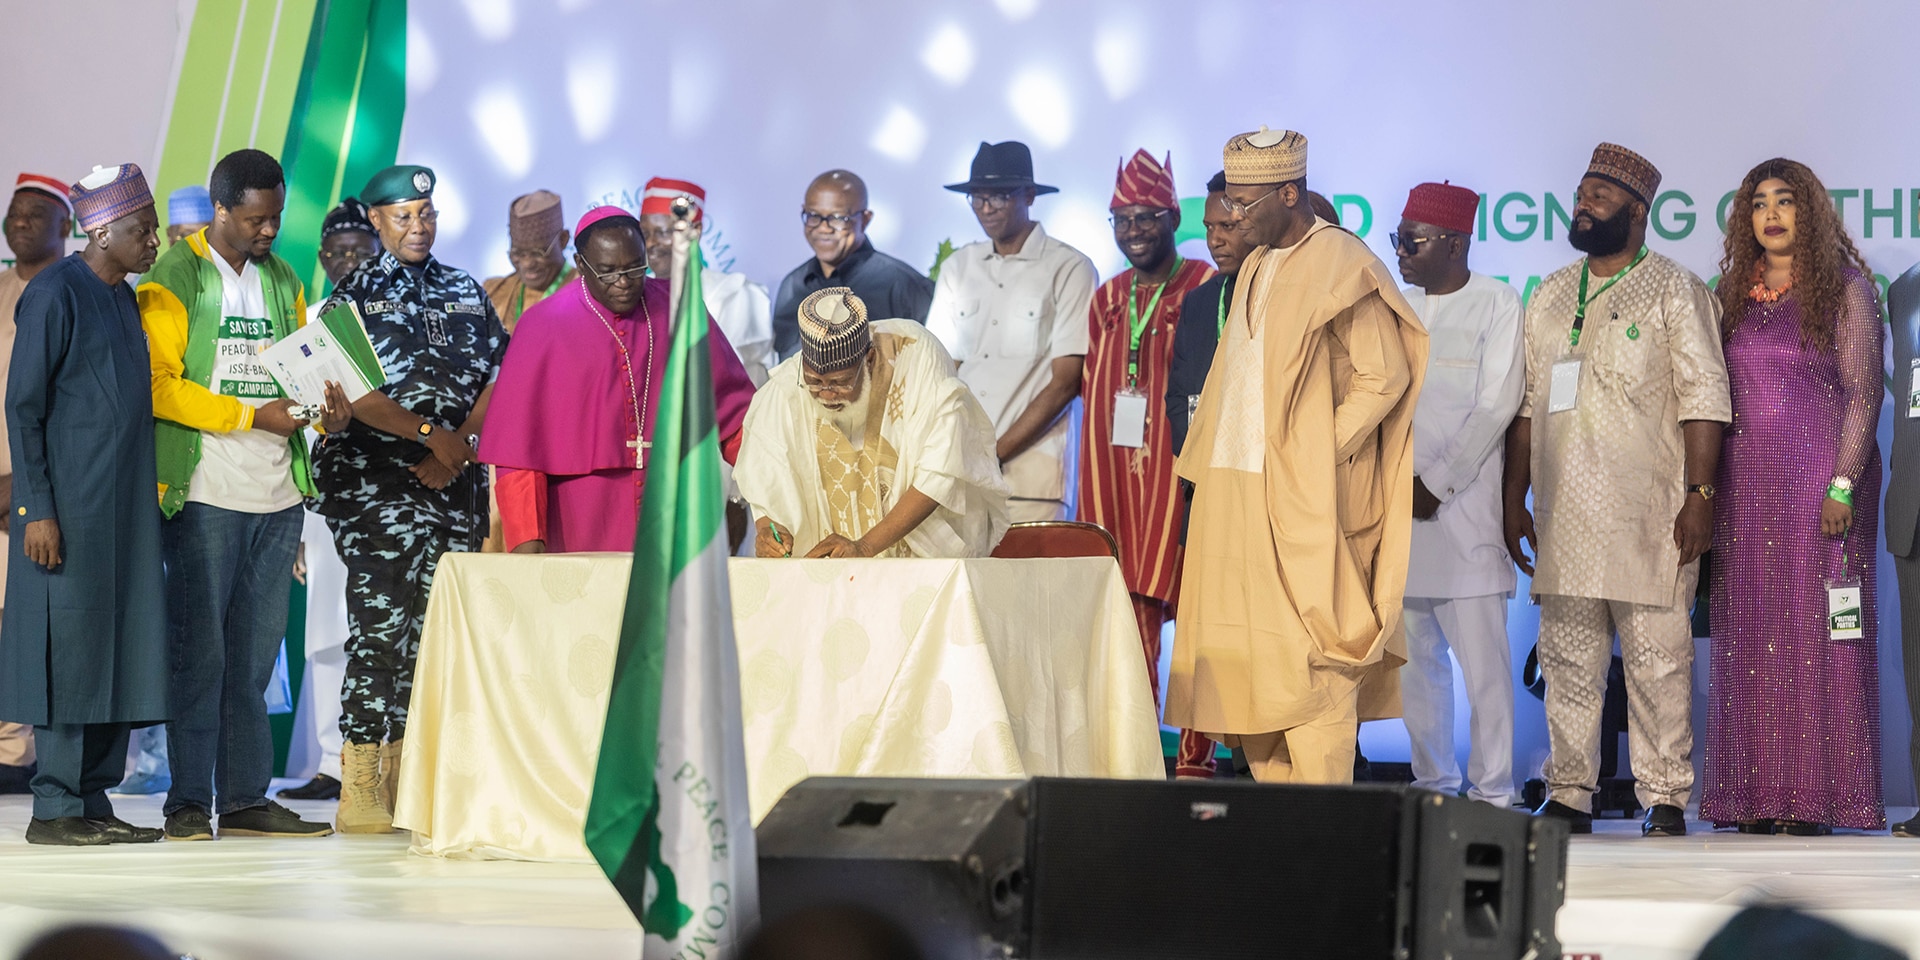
[{"x": 1705, "y": 490}]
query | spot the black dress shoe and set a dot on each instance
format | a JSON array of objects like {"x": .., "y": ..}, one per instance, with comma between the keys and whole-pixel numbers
[
  {"x": 1664, "y": 820},
  {"x": 1762, "y": 826},
  {"x": 321, "y": 787},
  {"x": 1577, "y": 822},
  {"x": 66, "y": 832},
  {"x": 1908, "y": 828},
  {"x": 1801, "y": 828},
  {"x": 120, "y": 831},
  {"x": 16, "y": 779}
]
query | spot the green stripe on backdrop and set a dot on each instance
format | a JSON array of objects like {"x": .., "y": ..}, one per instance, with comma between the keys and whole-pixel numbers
[
  {"x": 346, "y": 118},
  {"x": 235, "y": 86}
]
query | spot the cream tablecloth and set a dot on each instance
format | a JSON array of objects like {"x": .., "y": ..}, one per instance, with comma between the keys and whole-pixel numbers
[{"x": 886, "y": 668}]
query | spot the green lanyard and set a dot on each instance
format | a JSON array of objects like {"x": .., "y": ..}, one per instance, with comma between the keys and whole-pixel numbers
[
  {"x": 1580, "y": 312},
  {"x": 1137, "y": 322},
  {"x": 1220, "y": 325},
  {"x": 520, "y": 300}
]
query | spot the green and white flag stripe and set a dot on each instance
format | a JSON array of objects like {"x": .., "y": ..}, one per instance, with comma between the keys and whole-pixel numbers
[{"x": 669, "y": 821}]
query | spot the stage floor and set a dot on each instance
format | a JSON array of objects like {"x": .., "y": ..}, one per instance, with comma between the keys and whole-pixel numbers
[{"x": 366, "y": 898}]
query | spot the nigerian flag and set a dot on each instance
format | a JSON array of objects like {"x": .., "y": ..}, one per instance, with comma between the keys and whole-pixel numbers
[{"x": 669, "y": 822}]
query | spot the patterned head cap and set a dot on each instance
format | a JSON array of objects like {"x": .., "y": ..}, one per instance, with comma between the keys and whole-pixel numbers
[
  {"x": 1443, "y": 205},
  {"x": 1146, "y": 182},
  {"x": 535, "y": 218},
  {"x": 1265, "y": 156},
  {"x": 1633, "y": 172},
  {"x": 833, "y": 330},
  {"x": 189, "y": 204},
  {"x": 109, "y": 193}
]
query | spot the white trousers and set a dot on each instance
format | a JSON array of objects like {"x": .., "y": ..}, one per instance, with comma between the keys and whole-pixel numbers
[
  {"x": 1475, "y": 629},
  {"x": 316, "y": 722},
  {"x": 1656, "y": 645}
]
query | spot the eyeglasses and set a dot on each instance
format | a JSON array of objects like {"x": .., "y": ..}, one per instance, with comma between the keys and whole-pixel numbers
[
  {"x": 351, "y": 256},
  {"x": 1239, "y": 209},
  {"x": 1138, "y": 221},
  {"x": 839, "y": 387},
  {"x": 403, "y": 222},
  {"x": 528, "y": 253},
  {"x": 614, "y": 278},
  {"x": 1410, "y": 243},
  {"x": 990, "y": 199},
  {"x": 836, "y": 222}
]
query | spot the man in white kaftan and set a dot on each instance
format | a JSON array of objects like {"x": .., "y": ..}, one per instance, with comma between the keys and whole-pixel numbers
[{"x": 867, "y": 444}]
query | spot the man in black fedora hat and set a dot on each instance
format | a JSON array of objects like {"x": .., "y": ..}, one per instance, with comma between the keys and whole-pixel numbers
[{"x": 1013, "y": 311}]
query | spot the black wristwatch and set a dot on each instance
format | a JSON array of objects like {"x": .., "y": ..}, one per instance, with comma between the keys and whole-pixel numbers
[
  {"x": 1705, "y": 490},
  {"x": 425, "y": 431}
]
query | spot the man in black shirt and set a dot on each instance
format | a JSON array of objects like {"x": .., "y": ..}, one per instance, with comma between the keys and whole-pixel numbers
[
  {"x": 1204, "y": 312},
  {"x": 834, "y": 220}
]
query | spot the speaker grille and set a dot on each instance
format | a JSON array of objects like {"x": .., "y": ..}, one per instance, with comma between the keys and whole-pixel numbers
[{"x": 1326, "y": 880}]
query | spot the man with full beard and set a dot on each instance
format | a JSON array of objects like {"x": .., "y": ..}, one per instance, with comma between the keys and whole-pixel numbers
[{"x": 1619, "y": 436}]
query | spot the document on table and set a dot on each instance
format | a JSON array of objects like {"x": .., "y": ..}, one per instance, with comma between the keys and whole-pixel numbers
[{"x": 333, "y": 347}]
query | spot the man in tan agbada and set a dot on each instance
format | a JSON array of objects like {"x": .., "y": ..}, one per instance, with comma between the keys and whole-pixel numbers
[
  {"x": 867, "y": 445},
  {"x": 1301, "y": 455}
]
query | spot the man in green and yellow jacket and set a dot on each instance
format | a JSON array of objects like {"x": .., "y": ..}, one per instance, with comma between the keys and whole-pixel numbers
[{"x": 232, "y": 469}]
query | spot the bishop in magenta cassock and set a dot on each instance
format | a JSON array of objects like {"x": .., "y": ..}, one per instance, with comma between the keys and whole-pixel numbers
[{"x": 572, "y": 414}]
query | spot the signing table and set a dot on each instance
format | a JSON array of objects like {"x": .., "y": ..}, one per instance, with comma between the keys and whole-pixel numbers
[{"x": 885, "y": 668}]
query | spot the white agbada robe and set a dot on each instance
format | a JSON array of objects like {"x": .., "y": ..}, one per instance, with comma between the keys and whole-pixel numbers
[
  {"x": 925, "y": 432},
  {"x": 1459, "y": 576},
  {"x": 745, "y": 314}
]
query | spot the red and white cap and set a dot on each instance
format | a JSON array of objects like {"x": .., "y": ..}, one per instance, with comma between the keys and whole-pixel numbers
[
  {"x": 46, "y": 186},
  {"x": 661, "y": 192}
]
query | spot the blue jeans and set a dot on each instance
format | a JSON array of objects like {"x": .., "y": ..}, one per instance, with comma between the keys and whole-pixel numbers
[{"x": 228, "y": 583}]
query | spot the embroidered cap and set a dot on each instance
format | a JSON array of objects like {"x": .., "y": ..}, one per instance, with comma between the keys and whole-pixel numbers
[
  {"x": 1633, "y": 172},
  {"x": 1442, "y": 205},
  {"x": 109, "y": 193},
  {"x": 188, "y": 205},
  {"x": 1265, "y": 156},
  {"x": 535, "y": 218},
  {"x": 833, "y": 330}
]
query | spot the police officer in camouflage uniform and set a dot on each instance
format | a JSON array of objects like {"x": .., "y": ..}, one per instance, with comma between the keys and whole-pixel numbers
[{"x": 400, "y": 486}]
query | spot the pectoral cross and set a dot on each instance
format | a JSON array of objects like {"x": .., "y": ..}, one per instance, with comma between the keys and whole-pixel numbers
[{"x": 640, "y": 448}]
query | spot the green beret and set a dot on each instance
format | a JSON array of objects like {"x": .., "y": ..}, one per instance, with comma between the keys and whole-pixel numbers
[{"x": 398, "y": 184}]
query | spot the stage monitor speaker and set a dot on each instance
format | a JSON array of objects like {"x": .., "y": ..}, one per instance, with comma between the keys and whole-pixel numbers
[
  {"x": 1057, "y": 869},
  {"x": 945, "y": 859}
]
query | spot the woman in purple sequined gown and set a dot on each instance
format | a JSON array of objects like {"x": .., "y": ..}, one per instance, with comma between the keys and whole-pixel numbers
[{"x": 1793, "y": 722}]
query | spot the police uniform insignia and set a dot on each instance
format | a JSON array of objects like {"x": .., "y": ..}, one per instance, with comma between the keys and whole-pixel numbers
[
  {"x": 422, "y": 181},
  {"x": 437, "y": 330}
]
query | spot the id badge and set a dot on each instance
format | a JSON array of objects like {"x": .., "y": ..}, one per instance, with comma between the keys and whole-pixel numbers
[
  {"x": 1129, "y": 419},
  {"x": 1563, "y": 392},
  {"x": 1913, "y": 390},
  {"x": 1843, "y": 609}
]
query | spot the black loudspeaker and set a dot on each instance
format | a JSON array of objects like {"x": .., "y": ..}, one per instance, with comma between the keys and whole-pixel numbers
[
  {"x": 945, "y": 859},
  {"x": 1059, "y": 869}
]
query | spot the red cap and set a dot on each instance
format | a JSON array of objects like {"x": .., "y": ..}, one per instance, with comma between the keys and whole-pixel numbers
[
  {"x": 45, "y": 186},
  {"x": 1443, "y": 205},
  {"x": 661, "y": 192},
  {"x": 1144, "y": 181}
]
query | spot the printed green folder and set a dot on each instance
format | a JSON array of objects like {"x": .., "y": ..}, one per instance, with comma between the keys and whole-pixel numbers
[{"x": 333, "y": 347}]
